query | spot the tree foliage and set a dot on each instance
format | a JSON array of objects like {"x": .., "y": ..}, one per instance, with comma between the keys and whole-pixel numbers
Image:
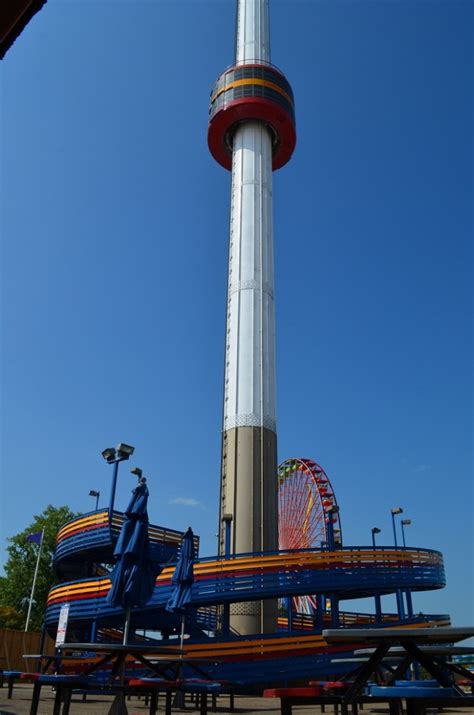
[{"x": 15, "y": 586}]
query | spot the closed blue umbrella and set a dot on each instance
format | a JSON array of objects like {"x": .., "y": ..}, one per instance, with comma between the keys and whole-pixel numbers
[
  {"x": 134, "y": 576},
  {"x": 182, "y": 580}
]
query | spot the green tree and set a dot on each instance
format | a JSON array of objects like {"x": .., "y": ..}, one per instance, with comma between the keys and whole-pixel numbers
[{"x": 15, "y": 586}]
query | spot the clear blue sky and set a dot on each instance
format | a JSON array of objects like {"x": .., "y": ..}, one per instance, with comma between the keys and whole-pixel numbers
[{"x": 115, "y": 225}]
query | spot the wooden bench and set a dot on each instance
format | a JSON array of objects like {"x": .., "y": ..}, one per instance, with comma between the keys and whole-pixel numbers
[
  {"x": 309, "y": 695},
  {"x": 153, "y": 686},
  {"x": 419, "y": 697},
  {"x": 317, "y": 695},
  {"x": 13, "y": 675},
  {"x": 63, "y": 685}
]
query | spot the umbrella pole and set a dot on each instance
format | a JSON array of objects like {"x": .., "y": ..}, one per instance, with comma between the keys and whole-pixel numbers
[
  {"x": 126, "y": 627},
  {"x": 179, "y": 699},
  {"x": 181, "y": 638}
]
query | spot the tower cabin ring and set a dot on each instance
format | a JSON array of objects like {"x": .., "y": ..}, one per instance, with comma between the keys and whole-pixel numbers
[{"x": 252, "y": 92}]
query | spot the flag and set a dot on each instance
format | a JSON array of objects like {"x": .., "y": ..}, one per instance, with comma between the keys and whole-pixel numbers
[{"x": 36, "y": 538}]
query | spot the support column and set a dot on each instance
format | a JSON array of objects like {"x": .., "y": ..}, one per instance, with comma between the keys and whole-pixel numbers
[{"x": 252, "y": 132}]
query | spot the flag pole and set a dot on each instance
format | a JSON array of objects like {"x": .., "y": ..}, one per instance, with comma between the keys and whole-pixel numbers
[{"x": 34, "y": 582}]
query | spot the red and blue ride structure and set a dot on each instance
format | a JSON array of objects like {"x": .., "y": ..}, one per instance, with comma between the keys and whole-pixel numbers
[
  {"x": 252, "y": 91},
  {"x": 310, "y": 574}
]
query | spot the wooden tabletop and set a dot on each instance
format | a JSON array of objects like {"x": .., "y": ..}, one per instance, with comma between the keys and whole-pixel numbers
[
  {"x": 386, "y": 659},
  {"x": 119, "y": 649},
  {"x": 124, "y": 648},
  {"x": 397, "y": 635},
  {"x": 430, "y": 649}
]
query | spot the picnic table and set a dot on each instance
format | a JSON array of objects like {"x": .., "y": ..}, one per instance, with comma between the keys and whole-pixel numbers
[
  {"x": 43, "y": 662},
  {"x": 415, "y": 645},
  {"x": 157, "y": 659},
  {"x": 440, "y": 654},
  {"x": 165, "y": 663}
]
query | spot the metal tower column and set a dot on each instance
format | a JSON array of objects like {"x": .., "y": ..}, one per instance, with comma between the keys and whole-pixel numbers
[{"x": 251, "y": 131}]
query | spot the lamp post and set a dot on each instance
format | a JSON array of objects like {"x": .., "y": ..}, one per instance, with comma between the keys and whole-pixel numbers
[
  {"x": 333, "y": 509},
  {"x": 378, "y": 602},
  {"x": 374, "y": 530},
  {"x": 404, "y": 522},
  {"x": 401, "y": 610},
  {"x": 95, "y": 494},
  {"x": 395, "y": 510},
  {"x": 137, "y": 472},
  {"x": 407, "y": 522},
  {"x": 227, "y": 522},
  {"x": 113, "y": 456}
]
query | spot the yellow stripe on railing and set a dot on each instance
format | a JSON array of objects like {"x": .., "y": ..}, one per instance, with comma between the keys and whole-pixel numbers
[
  {"x": 233, "y": 648},
  {"x": 329, "y": 558},
  {"x": 93, "y": 519},
  {"x": 285, "y": 561},
  {"x": 102, "y": 518}
]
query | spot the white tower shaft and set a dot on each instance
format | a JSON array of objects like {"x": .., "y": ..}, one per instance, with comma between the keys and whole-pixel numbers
[
  {"x": 252, "y": 32},
  {"x": 249, "y": 479},
  {"x": 250, "y": 364}
]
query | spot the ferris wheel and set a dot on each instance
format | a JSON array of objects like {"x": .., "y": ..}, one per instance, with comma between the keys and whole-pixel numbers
[{"x": 305, "y": 495}]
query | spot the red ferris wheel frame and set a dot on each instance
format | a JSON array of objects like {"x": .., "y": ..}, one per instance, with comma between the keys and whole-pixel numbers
[
  {"x": 305, "y": 495},
  {"x": 305, "y": 498}
]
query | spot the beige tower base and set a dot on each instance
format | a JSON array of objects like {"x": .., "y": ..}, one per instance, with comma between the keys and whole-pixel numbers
[{"x": 249, "y": 481}]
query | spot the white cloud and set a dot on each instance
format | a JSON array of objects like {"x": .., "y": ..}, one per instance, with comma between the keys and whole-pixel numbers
[
  {"x": 420, "y": 468},
  {"x": 186, "y": 501}
]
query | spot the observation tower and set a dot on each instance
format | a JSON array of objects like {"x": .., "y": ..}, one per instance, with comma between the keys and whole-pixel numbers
[{"x": 251, "y": 133}]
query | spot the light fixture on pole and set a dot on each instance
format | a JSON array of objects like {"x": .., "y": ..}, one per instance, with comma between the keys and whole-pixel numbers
[
  {"x": 395, "y": 510},
  {"x": 137, "y": 472},
  {"x": 95, "y": 494},
  {"x": 374, "y": 530},
  {"x": 332, "y": 510},
  {"x": 404, "y": 522},
  {"x": 114, "y": 456},
  {"x": 227, "y": 519},
  {"x": 378, "y": 602},
  {"x": 400, "y": 607}
]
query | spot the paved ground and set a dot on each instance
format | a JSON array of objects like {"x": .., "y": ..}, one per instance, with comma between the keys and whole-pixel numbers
[{"x": 99, "y": 705}]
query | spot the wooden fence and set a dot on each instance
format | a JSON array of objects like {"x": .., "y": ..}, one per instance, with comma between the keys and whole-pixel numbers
[{"x": 15, "y": 644}]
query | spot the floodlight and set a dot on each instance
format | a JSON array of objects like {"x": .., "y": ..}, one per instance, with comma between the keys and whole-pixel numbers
[
  {"x": 96, "y": 494},
  {"x": 125, "y": 449},
  {"x": 374, "y": 530},
  {"x": 395, "y": 510},
  {"x": 109, "y": 454},
  {"x": 137, "y": 471},
  {"x": 406, "y": 522}
]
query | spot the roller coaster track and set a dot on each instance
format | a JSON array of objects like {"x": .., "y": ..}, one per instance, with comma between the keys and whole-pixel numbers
[
  {"x": 348, "y": 572},
  {"x": 345, "y": 573}
]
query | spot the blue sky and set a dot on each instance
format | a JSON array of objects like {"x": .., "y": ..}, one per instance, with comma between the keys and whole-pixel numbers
[{"x": 115, "y": 223}]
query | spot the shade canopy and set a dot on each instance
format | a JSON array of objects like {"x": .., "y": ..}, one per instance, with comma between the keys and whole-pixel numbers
[
  {"x": 134, "y": 576},
  {"x": 183, "y": 576}
]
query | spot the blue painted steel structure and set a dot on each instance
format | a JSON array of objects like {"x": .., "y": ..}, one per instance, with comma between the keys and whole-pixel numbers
[
  {"x": 92, "y": 537},
  {"x": 328, "y": 575}
]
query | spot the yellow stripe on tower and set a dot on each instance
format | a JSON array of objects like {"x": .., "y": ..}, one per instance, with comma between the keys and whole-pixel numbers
[{"x": 253, "y": 80}]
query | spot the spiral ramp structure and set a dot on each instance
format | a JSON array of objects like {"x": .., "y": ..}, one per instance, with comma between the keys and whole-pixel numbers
[{"x": 323, "y": 575}]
